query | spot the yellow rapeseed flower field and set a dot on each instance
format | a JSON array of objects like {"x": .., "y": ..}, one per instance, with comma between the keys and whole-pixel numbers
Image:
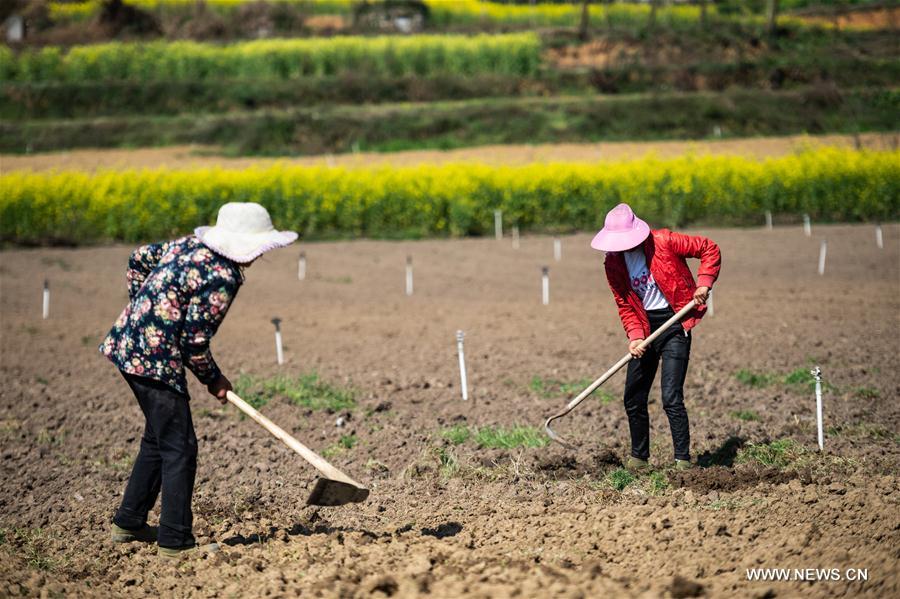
[{"x": 451, "y": 200}]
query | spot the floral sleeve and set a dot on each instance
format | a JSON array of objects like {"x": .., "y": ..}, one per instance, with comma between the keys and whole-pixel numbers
[
  {"x": 205, "y": 312},
  {"x": 142, "y": 262}
]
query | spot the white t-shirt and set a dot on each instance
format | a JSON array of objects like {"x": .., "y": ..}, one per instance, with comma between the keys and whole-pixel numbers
[{"x": 642, "y": 281}]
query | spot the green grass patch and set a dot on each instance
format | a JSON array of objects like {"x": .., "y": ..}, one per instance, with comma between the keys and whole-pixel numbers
[
  {"x": 449, "y": 463},
  {"x": 457, "y": 435},
  {"x": 498, "y": 437},
  {"x": 35, "y": 545},
  {"x": 864, "y": 429},
  {"x": 746, "y": 415},
  {"x": 658, "y": 482},
  {"x": 345, "y": 443},
  {"x": 799, "y": 380},
  {"x": 548, "y": 388},
  {"x": 306, "y": 391},
  {"x": 619, "y": 479},
  {"x": 348, "y": 441},
  {"x": 866, "y": 393},
  {"x": 776, "y": 454},
  {"x": 754, "y": 379},
  {"x": 247, "y": 387}
]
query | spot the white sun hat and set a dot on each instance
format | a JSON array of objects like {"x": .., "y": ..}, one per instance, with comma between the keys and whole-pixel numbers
[{"x": 243, "y": 232}]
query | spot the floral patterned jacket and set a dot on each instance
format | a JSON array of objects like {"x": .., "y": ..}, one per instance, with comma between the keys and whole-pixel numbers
[{"x": 179, "y": 293}]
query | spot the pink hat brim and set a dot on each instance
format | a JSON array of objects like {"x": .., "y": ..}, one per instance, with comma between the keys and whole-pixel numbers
[{"x": 620, "y": 241}]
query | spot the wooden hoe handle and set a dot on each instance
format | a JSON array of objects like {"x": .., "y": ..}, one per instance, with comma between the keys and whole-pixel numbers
[{"x": 315, "y": 460}]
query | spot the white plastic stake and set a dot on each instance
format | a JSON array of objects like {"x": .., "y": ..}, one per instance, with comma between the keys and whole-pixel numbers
[
  {"x": 817, "y": 374},
  {"x": 498, "y": 224},
  {"x": 545, "y": 285},
  {"x": 879, "y": 237},
  {"x": 823, "y": 249},
  {"x": 301, "y": 267},
  {"x": 409, "y": 276},
  {"x": 462, "y": 365},
  {"x": 807, "y": 226},
  {"x": 557, "y": 249},
  {"x": 768, "y": 220},
  {"x": 46, "y": 307},
  {"x": 279, "y": 351},
  {"x": 515, "y": 236},
  {"x": 709, "y": 304}
]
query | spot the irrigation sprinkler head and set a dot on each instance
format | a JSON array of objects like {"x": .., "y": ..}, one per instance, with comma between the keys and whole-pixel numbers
[
  {"x": 545, "y": 270},
  {"x": 277, "y": 322},
  {"x": 816, "y": 373},
  {"x": 460, "y": 336}
]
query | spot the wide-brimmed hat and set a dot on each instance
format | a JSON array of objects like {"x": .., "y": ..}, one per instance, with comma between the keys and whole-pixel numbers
[
  {"x": 243, "y": 232},
  {"x": 621, "y": 231}
]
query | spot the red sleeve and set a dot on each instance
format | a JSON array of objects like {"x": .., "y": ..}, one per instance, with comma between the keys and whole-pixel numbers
[
  {"x": 630, "y": 320},
  {"x": 697, "y": 246}
]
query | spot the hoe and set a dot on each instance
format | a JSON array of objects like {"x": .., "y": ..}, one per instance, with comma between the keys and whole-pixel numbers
[
  {"x": 334, "y": 488},
  {"x": 606, "y": 375}
]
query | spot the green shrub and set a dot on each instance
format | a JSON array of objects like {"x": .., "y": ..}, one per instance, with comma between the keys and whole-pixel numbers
[
  {"x": 279, "y": 59},
  {"x": 444, "y": 125}
]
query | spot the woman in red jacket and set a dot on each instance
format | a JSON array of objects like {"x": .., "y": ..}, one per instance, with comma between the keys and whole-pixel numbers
[{"x": 650, "y": 280}]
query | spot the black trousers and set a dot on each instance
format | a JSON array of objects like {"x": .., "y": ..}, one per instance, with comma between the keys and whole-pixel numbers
[
  {"x": 167, "y": 461},
  {"x": 674, "y": 348}
]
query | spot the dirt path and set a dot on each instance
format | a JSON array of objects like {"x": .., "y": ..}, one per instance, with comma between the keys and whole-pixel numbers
[
  {"x": 179, "y": 157},
  {"x": 454, "y": 520}
]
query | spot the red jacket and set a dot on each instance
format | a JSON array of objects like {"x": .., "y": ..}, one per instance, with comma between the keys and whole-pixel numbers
[{"x": 666, "y": 252}]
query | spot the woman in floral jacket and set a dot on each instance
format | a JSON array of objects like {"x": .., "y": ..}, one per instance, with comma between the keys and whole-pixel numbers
[{"x": 179, "y": 293}]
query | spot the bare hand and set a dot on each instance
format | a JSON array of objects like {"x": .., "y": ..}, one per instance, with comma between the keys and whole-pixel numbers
[
  {"x": 701, "y": 295},
  {"x": 219, "y": 388},
  {"x": 636, "y": 351}
]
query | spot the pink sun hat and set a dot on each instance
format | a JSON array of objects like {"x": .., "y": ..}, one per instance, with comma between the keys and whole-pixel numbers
[{"x": 621, "y": 231}]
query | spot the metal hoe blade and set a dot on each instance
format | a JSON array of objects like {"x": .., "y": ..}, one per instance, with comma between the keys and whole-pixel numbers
[
  {"x": 553, "y": 435},
  {"x": 328, "y": 492}
]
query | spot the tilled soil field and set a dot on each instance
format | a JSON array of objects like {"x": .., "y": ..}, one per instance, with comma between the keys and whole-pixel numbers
[{"x": 446, "y": 516}]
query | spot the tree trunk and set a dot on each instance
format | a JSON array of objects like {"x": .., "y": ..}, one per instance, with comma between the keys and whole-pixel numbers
[
  {"x": 772, "y": 16},
  {"x": 585, "y": 20},
  {"x": 653, "y": 6}
]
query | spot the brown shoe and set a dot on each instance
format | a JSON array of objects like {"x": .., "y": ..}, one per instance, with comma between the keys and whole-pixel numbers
[
  {"x": 193, "y": 550},
  {"x": 637, "y": 464},
  {"x": 146, "y": 534}
]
